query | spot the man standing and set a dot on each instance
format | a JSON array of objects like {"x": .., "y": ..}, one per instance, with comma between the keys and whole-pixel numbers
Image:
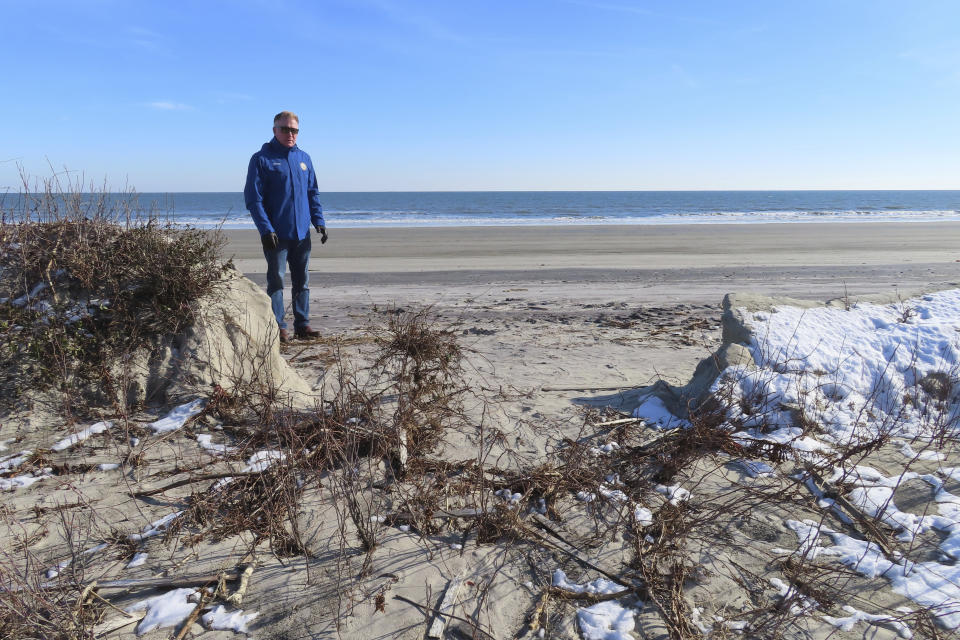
[{"x": 282, "y": 197}]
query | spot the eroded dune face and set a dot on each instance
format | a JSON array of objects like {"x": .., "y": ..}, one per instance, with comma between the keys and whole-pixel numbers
[{"x": 232, "y": 343}]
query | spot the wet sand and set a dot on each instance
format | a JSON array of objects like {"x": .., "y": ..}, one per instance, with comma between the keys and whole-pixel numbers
[{"x": 696, "y": 263}]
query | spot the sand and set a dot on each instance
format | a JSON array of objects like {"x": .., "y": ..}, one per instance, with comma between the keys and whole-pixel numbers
[
  {"x": 606, "y": 306},
  {"x": 556, "y": 320},
  {"x": 692, "y": 262}
]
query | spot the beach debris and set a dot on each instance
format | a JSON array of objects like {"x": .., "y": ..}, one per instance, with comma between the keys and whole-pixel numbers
[
  {"x": 201, "y": 598},
  {"x": 55, "y": 571},
  {"x": 619, "y": 421},
  {"x": 236, "y": 597},
  {"x": 571, "y": 550},
  {"x": 446, "y": 607},
  {"x": 474, "y": 625},
  {"x": 11, "y": 462},
  {"x": 25, "y": 480}
]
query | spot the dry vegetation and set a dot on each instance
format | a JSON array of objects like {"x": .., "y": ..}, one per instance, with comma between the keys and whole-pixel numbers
[{"x": 88, "y": 278}]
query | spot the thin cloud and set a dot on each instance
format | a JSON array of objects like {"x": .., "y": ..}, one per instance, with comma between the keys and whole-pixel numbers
[
  {"x": 939, "y": 58},
  {"x": 226, "y": 97},
  {"x": 144, "y": 39},
  {"x": 422, "y": 23},
  {"x": 167, "y": 105},
  {"x": 610, "y": 6}
]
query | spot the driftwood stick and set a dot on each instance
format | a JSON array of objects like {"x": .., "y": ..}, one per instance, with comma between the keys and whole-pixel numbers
[
  {"x": 446, "y": 608},
  {"x": 593, "y": 388},
  {"x": 193, "y": 616},
  {"x": 182, "y": 581},
  {"x": 872, "y": 532},
  {"x": 473, "y": 625},
  {"x": 192, "y": 479},
  {"x": 236, "y": 597},
  {"x": 539, "y": 615},
  {"x": 611, "y": 423}
]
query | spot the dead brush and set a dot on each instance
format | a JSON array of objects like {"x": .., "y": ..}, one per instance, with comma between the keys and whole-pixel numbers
[
  {"x": 89, "y": 278},
  {"x": 29, "y": 611},
  {"x": 263, "y": 504},
  {"x": 300, "y": 447},
  {"x": 35, "y": 608},
  {"x": 422, "y": 365},
  {"x": 704, "y": 439}
]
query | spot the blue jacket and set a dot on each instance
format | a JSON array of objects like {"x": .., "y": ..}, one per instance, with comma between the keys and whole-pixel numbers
[{"x": 281, "y": 192}]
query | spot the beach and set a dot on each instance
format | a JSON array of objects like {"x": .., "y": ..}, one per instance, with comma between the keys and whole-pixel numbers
[
  {"x": 572, "y": 481},
  {"x": 609, "y": 307},
  {"x": 808, "y": 254}
]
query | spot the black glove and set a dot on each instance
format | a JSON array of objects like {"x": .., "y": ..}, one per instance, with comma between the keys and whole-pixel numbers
[
  {"x": 323, "y": 233},
  {"x": 269, "y": 241}
]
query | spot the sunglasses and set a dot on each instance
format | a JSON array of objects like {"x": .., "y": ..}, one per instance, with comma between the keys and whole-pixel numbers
[{"x": 292, "y": 130}]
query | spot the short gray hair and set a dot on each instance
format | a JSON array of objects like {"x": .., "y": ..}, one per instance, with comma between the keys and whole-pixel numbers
[{"x": 283, "y": 115}]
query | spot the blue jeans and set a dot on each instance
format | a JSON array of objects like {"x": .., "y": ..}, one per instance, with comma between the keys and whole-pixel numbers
[{"x": 296, "y": 253}]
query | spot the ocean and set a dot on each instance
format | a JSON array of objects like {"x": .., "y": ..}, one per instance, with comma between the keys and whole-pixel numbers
[{"x": 480, "y": 208}]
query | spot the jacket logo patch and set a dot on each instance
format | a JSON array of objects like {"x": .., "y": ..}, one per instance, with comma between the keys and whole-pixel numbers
[{"x": 303, "y": 165}]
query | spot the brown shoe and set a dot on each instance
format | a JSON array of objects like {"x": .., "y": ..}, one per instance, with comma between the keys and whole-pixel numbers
[
  {"x": 306, "y": 332},
  {"x": 284, "y": 336}
]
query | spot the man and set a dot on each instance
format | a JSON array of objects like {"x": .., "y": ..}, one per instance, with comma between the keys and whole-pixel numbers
[{"x": 282, "y": 197}]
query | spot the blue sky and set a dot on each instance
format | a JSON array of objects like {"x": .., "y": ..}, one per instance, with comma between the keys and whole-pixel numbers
[{"x": 492, "y": 94}]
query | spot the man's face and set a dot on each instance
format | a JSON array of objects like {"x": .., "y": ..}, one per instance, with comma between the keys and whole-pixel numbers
[{"x": 286, "y": 130}]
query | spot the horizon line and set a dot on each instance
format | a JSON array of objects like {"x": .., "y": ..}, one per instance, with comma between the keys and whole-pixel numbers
[{"x": 778, "y": 190}]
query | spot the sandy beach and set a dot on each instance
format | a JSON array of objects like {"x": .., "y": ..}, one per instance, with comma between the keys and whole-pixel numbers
[
  {"x": 690, "y": 260},
  {"x": 565, "y": 333},
  {"x": 598, "y": 306}
]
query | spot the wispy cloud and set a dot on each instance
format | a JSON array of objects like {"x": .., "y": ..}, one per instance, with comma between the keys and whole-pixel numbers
[
  {"x": 424, "y": 24},
  {"x": 611, "y": 6},
  {"x": 619, "y": 7},
  {"x": 940, "y": 58},
  {"x": 168, "y": 105},
  {"x": 227, "y": 97},
  {"x": 128, "y": 39},
  {"x": 144, "y": 39}
]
